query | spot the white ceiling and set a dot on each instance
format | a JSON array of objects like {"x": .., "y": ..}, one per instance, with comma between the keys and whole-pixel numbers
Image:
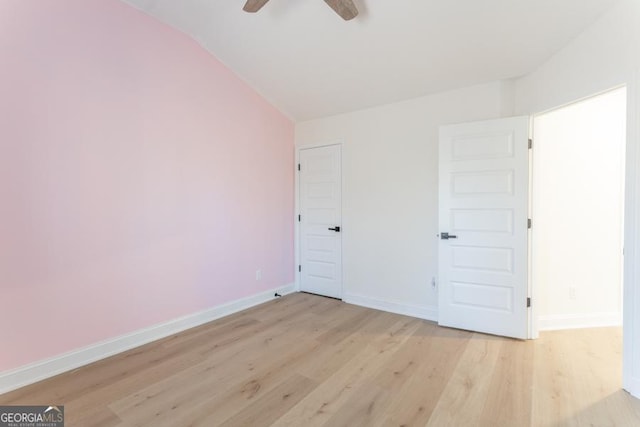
[{"x": 310, "y": 63}]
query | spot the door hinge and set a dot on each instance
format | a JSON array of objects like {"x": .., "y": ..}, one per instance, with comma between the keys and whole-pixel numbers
[
  {"x": 528, "y": 302},
  {"x": 299, "y": 218},
  {"x": 530, "y": 143},
  {"x": 299, "y": 268},
  {"x": 529, "y": 223},
  {"x": 298, "y": 166}
]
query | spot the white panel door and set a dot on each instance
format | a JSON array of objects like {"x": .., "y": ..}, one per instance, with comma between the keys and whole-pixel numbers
[
  {"x": 483, "y": 208},
  {"x": 320, "y": 185}
]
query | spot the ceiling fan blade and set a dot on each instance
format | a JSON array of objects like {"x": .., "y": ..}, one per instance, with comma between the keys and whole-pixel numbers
[
  {"x": 253, "y": 6},
  {"x": 345, "y": 8}
]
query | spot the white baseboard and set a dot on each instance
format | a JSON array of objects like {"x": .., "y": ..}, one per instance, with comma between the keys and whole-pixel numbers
[
  {"x": 419, "y": 311},
  {"x": 38, "y": 371},
  {"x": 578, "y": 321}
]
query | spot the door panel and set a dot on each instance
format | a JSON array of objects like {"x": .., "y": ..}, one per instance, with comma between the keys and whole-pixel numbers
[
  {"x": 320, "y": 209},
  {"x": 483, "y": 205},
  {"x": 481, "y": 220}
]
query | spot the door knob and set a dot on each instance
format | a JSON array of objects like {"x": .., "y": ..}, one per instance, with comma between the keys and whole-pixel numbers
[
  {"x": 336, "y": 229},
  {"x": 447, "y": 236}
]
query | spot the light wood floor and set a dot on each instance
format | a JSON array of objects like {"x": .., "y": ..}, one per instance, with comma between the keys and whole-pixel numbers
[{"x": 305, "y": 360}]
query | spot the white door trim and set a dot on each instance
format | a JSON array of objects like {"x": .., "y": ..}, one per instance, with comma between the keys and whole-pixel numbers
[
  {"x": 532, "y": 315},
  {"x": 296, "y": 231},
  {"x": 631, "y": 291}
]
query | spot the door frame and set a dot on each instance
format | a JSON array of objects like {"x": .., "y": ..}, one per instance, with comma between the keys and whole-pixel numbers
[
  {"x": 631, "y": 273},
  {"x": 631, "y": 254},
  {"x": 297, "y": 247},
  {"x": 534, "y": 324}
]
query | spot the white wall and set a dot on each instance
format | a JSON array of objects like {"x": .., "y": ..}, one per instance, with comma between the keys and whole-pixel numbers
[
  {"x": 607, "y": 54},
  {"x": 578, "y": 200},
  {"x": 602, "y": 57},
  {"x": 390, "y": 198}
]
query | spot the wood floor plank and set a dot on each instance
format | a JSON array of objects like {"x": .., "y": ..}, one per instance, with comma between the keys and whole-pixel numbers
[
  {"x": 331, "y": 357},
  {"x": 94, "y": 417},
  {"x": 579, "y": 382},
  {"x": 239, "y": 392},
  {"x": 407, "y": 359},
  {"x": 270, "y": 407},
  {"x": 365, "y": 406},
  {"x": 332, "y": 394},
  {"x": 415, "y": 402},
  {"x": 508, "y": 400},
  {"x": 462, "y": 401},
  {"x": 304, "y": 360},
  {"x": 207, "y": 377}
]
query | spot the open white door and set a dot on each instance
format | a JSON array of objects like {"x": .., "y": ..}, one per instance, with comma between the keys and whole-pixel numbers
[
  {"x": 320, "y": 186},
  {"x": 483, "y": 218}
]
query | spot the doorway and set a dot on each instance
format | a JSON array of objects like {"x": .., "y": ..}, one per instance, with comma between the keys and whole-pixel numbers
[{"x": 578, "y": 212}]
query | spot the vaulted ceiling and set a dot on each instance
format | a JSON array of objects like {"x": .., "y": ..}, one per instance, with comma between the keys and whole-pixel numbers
[{"x": 310, "y": 63}]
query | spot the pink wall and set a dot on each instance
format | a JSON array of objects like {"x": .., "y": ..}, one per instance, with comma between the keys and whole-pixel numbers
[{"x": 140, "y": 180}]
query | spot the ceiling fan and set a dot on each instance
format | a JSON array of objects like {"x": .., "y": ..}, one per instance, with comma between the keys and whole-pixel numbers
[{"x": 345, "y": 8}]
